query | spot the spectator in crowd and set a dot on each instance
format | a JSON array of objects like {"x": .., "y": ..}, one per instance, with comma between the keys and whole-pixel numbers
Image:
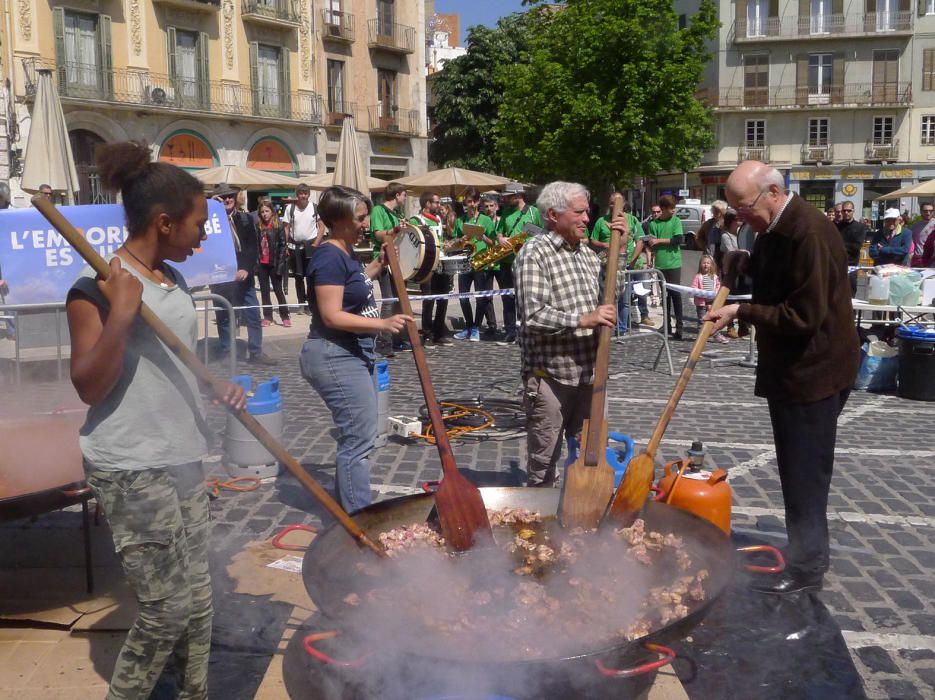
[
  {"x": 665, "y": 240},
  {"x": 338, "y": 357},
  {"x": 928, "y": 253},
  {"x": 46, "y": 191},
  {"x": 491, "y": 207},
  {"x": 385, "y": 222},
  {"x": 922, "y": 230},
  {"x": 600, "y": 241},
  {"x": 707, "y": 280},
  {"x": 273, "y": 263},
  {"x": 737, "y": 238},
  {"x": 829, "y": 213},
  {"x": 853, "y": 232},
  {"x": 304, "y": 232},
  {"x": 891, "y": 244},
  {"x": 481, "y": 280},
  {"x": 838, "y": 212},
  {"x": 654, "y": 212},
  {"x": 708, "y": 237},
  {"x": 242, "y": 291}
]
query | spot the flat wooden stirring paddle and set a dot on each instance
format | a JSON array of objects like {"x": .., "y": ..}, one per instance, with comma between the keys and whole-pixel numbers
[
  {"x": 459, "y": 504},
  {"x": 633, "y": 490},
  {"x": 204, "y": 375},
  {"x": 589, "y": 482}
]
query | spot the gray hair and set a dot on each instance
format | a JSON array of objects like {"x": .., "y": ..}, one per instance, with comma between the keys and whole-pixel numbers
[
  {"x": 340, "y": 204},
  {"x": 770, "y": 177},
  {"x": 557, "y": 196},
  {"x": 720, "y": 205}
]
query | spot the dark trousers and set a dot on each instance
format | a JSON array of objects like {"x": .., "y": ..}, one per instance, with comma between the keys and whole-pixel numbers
[
  {"x": 267, "y": 277},
  {"x": 297, "y": 262},
  {"x": 673, "y": 300},
  {"x": 641, "y": 298},
  {"x": 805, "y": 434},
  {"x": 504, "y": 277},
  {"x": 434, "y": 312},
  {"x": 482, "y": 280}
]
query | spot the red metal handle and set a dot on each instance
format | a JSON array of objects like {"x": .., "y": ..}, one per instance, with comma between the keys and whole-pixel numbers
[
  {"x": 321, "y": 656},
  {"x": 277, "y": 540},
  {"x": 660, "y": 494},
  {"x": 753, "y": 568},
  {"x": 430, "y": 486},
  {"x": 667, "y": 657}
]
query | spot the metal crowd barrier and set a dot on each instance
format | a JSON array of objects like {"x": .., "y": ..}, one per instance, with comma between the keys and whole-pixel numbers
[{"x": 648, "y": 277}]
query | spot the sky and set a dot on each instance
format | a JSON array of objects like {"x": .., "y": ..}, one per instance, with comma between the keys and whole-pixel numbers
[{"x": 472, "y": 12}]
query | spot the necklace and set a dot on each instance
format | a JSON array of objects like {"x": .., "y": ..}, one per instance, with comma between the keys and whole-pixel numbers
[{"x": 151, "y": 270}]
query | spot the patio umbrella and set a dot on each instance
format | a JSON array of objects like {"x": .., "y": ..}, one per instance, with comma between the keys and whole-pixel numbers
[
  {"x": 920, "y": 189},
  {"x": 245, "y": 178},
  {"x": 325, "y": 180},
  {"x": 452, "y": 181},
  {"x": 349, "y": 169},
  {"x": 49, "y": 159}
]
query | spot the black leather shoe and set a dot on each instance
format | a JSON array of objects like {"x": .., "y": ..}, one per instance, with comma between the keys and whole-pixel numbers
[{"x": 787, "y": 582}]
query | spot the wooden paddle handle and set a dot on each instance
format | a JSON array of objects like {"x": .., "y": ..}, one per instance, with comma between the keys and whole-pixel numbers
[
  {"x": 703, "y": 334},
  {"x": 592, "y": 447},
  {"x": 422, "y": 368},
  {"x": 217, "y": 387}
]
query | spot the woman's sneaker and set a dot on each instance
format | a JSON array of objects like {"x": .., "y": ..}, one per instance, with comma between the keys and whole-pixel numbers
[
  {"x": 475, "y": 335},
  {"x": 286, "y": 323},
  {"x": 465, "y": 334}
]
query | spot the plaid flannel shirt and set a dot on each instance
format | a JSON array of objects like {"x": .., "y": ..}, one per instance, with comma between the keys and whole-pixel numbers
[{"x": 555, "y": 284}]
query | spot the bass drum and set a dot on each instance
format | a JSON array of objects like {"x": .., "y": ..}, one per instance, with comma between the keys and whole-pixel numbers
[{"x": 418, "y": 253}]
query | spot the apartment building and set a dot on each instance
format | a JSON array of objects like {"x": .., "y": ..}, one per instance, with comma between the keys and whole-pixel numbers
[
  {"x": 837, "y": 94},
  {"x": 258, "y": 83}
]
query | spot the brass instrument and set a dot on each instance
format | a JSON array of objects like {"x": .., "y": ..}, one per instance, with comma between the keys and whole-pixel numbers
[{"x": 493, "y": 255}]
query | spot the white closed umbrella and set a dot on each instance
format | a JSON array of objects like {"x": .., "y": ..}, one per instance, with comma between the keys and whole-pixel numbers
[
  {"x": 244, "y": 178},
  {"x": 349, "y": 168},
  {"x": 49, "y": 160}
]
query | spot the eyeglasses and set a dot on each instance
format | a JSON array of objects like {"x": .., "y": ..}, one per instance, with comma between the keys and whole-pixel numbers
[
  {"x": 749, "y": 207},
  {"x": 927, "y": 211}
]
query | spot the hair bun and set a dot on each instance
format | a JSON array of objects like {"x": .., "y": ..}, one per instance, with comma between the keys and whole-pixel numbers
[{"x": 119, "y": 164}]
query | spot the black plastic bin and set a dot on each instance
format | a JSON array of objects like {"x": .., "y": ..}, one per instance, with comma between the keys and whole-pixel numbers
[{"x": 916, "y": 363}]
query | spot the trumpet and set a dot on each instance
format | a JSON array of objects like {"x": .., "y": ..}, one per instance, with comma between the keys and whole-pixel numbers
[{"x": 493, "y": 255}]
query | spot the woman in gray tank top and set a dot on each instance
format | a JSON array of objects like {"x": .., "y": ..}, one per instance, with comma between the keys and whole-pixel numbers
[{"x": 145, "y": 434}]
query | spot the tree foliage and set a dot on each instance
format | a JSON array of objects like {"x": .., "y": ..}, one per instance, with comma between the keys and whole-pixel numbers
[
  {"x": 468, "y": 93},
  {"x": 605, "y": 92}
]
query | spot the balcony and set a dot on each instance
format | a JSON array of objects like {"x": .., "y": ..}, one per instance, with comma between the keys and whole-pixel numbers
[
  {"x": 396, "y": 123},
  {"x": 337, "y": 110},
  {"x": 801, "y": 27},
  {"x": 271, "y": 13},
  {"x": 753, "y": 152},
  {"x": 85, "y": 84},
  {"x": 881, "y": 152},
  {"x": 392, "y": 37},
  {"x": 192, "y": 5},
  {"x": 337, "y": 26},
  {"x": 817, "y": 154},
  {"x": 791, "y": 97}
]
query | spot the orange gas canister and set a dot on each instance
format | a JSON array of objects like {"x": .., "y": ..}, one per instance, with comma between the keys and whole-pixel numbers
[{"x": 704, "y": 492}]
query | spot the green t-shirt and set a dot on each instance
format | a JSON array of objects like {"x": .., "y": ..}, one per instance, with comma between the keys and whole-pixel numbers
[
  {"x": 512, "y": 222},
  {"x": 668, "y": 257},
  {"x": 477, "y": 244},
  {"x": 381, "y": 219},
  {"x": 601, "y": 232}
]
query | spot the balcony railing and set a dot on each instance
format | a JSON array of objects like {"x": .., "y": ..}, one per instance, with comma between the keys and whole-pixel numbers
[
  {"x": 390, "y": 36},
  {"x": 823, "y": 26},
  {"x": 87, "y": 83},
  {"x": 274, "y": 12},
  {"x": 192, "y": 5},
  {"x": 753, "y": 152},
  {"x": 337, "y": 26},
  {"x": 790, "y": 96},
  {"x": 876, "y": 152},
  {"x": 337, "y": 110},
  {"x": 817, "y": 154},
  {"x": 389, "y": 121}
]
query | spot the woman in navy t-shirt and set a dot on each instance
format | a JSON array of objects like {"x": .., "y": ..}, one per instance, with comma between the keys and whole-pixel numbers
[{"x": 337, "y": 359}]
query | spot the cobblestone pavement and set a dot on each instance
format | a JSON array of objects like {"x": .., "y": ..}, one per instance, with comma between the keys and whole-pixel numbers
[{"x": 880, "y": 590}]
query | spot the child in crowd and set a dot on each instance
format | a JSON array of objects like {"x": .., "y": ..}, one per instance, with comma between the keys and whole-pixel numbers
[{"x": 708, "y": 281}]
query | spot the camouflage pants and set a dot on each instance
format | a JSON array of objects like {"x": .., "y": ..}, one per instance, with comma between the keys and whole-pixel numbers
[{"x": 159, "y": 520}]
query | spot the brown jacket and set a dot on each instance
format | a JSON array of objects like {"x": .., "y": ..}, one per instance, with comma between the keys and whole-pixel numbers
[{"x": 806, "y": 337}]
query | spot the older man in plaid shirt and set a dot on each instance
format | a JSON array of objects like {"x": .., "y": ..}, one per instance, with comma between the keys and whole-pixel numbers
[{"x": 558, "y": 294}]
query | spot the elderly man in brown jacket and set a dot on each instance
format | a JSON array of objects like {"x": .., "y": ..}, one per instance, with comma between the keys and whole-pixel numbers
[{"x": 808, "y": 353}]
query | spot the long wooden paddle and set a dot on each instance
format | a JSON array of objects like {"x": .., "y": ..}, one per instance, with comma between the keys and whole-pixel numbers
[
  {"x": 589, "y": 482},
  {"x": 204, "y": 375},
  {"x": 633, "y": 490},
  {"x": 460, "y": 506}
]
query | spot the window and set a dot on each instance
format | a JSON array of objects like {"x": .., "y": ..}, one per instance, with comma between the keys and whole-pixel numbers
[
  {"x": 188, "y": 67},
  {"x": 83, "y": 53},
  {"x": 386, "y": 98},
  {"x": 757, "y": 17},
  {"x": 819, "y": 78},
  {"x": 334, "y": 12},
  {"x": 756, "y": 133},
  {"x": 882, "y": 131},
  {"x": 885, "y": 75},
  {"x": 928, "y": 68},
  {"x": 929, "y": 6},
  {"x": 386, "y": 16},
  {"x": 336, "y": 87},
  {"x": 821, "y": 17},
  {"x": 269, "y": 74},
  {"x": 928, "y": 130},
  {"x": 755, "y": 80},
  {"x": 886, "y": 15},
  {"x": 818, "y": 131}
]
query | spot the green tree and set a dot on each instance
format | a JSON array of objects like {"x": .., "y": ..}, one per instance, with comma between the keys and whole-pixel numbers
[
  {"x": 468, "y": 93},
  {"x": 607, "y": 93}
]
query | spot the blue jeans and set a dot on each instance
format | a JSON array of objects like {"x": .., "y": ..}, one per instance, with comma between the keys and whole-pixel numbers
[
  {"x": 641, "y": 299},
  {"x": 623, "y": 307},
  {"x": 344, "y": 380},
  {"x": 240, "y": 294}
]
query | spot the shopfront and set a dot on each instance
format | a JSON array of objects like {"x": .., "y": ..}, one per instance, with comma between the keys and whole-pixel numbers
[{"x": 824, "y": 186}]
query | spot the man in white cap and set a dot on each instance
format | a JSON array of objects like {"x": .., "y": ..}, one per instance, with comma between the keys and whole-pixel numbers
[{"x": 891, "y": 244}]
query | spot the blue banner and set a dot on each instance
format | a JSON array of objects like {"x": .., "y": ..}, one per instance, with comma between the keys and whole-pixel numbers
[{"x": 39, "y": 266}]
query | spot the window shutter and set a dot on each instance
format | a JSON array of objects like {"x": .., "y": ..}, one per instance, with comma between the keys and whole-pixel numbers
[
  {"x": 255, "y": 75},
  {"x": 773, "y": 9},
  {"x": 905, "y": 6},
  {"x": 285, "y": 84},
  {"x": 871, "y": 5},
  {"x": 61, "y": 59},
  {"x": 204, "y": 72},
  {"x": 171, "y": 45},
  {"x": 928, "y": 67},
  {"x": 107, "y": 58},
  {"x": 837, "y": 78},
  {"x": 740, "y": 15},
  {"x": 837, "y": 8},
  {"x": 805, "y": 17},
  {"x": 801, "y": 78}
]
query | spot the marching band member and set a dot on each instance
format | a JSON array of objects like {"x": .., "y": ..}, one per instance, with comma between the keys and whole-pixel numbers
[
  {"x": 385, "y": 220},
  {"x": 482, "y": 280},
  {"x": 433, "y": 328},
  {"x": 630, "y": 249},
  {"x": 516, "y": 214}
]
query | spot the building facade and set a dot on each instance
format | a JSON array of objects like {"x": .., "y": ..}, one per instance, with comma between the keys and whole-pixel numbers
[
  {"x": 837, "y": 94},
  {"x": 257, "y": 83}
]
